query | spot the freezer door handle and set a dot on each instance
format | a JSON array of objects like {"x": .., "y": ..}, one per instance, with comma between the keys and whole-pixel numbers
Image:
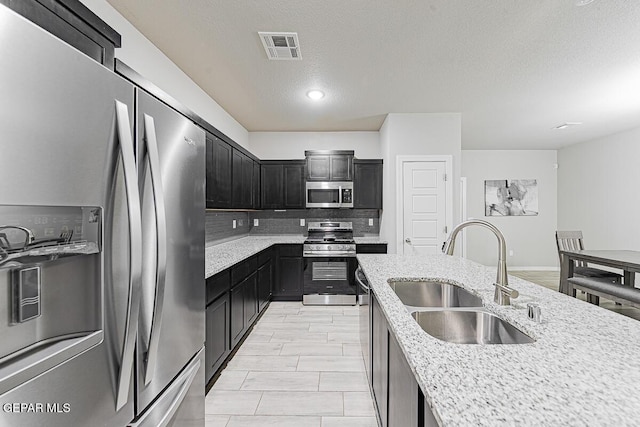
[
  {"x": 161, "y": 228},
  {"x": 135, "y": 252},
  {"x": 162, "y": 411}
]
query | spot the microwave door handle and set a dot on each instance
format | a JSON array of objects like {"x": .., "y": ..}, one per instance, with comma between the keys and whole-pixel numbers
[
  {"x": 125, "y": 141},
  {"x": 340, "y": 195},
  {"x": 161, "y": 228}
]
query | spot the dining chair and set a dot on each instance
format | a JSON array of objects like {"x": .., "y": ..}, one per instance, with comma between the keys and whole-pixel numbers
[{"x": 573, "y": 241}]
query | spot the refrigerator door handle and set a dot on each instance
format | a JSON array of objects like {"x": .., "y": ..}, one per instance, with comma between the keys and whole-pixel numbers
[
  {"x": 162, "y": 411},
  {"x": 135, "y": 252},
  {"x": 161, "y": 226}
]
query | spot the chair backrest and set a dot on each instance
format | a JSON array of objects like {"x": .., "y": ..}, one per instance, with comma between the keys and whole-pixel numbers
[{"x": 570, "y": 241}]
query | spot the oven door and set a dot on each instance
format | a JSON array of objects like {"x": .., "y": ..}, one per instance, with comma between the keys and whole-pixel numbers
[{"x": 329, "y": 280}]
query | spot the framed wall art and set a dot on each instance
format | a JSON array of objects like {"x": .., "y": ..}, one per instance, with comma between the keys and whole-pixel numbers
[{"x": 511, "y": 197}]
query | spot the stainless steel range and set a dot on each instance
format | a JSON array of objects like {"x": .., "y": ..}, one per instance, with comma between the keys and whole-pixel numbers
[{"x": 329, "y": 264}]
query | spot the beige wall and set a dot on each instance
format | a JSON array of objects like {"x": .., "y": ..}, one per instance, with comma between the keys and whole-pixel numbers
[
  {"x": 531, "y": 238},
  {"x": 146, "y": 59},
  {"x": 292, "y": 145},
  {"x": 416, "y": 134},
  {"x": 598, "y": 190}
]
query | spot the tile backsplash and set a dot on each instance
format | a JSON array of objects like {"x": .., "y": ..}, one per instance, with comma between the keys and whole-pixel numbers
[
  {"x": 288, "y": 222},
  {"x": 219, "y": 224}
]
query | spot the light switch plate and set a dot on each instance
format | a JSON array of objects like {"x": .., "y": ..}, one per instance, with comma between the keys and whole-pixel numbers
[
  {"x": 256, "y": 222},
  {"x": 370, "y": 222},
  {"x": 301, "y": 222},
  {"x": 234, "y": 223}
]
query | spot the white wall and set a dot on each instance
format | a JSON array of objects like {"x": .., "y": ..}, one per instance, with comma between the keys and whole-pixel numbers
[
  {"x": 146, "y": 59},
  {"x": 598, "y": 191},
  {"x": 416, "y": 134},
  {"x": 291, "y": 145},
  {"x": 531, "y": 238}
]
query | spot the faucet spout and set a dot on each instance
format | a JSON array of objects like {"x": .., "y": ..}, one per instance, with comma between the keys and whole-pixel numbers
[{"x": 503, "y": 292}]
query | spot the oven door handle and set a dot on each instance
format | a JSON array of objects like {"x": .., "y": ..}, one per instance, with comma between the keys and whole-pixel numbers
[
  {"x": 333, "y": 254},
  {"x": 360, "y": 282},
  {"x": 340, "y": 195}
]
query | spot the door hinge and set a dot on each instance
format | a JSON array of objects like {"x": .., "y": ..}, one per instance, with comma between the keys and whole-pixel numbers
[
  {"x": 444, "y": 177},
  {"x": 446, "y": 229}
]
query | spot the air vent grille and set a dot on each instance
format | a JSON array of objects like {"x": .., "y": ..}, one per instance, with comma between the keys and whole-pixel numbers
[{"x": 281, "y": 46}]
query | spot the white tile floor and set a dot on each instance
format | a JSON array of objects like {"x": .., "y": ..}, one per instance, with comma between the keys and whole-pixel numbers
[{"x": 300, "y": 366}]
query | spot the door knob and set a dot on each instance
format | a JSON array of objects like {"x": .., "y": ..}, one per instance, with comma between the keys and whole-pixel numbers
[{"x": 408, "y": 240}]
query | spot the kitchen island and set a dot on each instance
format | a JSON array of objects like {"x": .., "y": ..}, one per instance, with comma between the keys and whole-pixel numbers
[{"x": 583, "y": 368}]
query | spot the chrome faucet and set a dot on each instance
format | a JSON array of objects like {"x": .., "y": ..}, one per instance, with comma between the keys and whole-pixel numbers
[{"x": 503, "y": 292}]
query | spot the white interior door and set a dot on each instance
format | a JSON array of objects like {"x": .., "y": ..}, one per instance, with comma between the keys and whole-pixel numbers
[{"x": 424, "y": 207}]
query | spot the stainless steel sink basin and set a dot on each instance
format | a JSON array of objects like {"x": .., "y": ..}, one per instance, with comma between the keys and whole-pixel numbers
[
  {"x": 469, "y": 327},
  {"x": 434, "y": 294}
]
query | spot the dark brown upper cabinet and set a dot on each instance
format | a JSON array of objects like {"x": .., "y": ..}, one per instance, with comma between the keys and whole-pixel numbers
[
  {"x": 367, "y": 184},
  {"x": 325, "y": 165},
  {"x": 282, "y": 184},
  {"x": 219, "y": 165}
]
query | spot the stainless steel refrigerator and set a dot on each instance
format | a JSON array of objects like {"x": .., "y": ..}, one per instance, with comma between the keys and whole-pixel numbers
[{"x": 101, "y": 244}]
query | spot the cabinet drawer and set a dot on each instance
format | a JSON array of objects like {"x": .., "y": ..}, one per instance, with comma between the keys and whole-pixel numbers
[
  {"x": 290, "y": 250},
  {"x": 264, "y": 257},
  {"x": 218, "y": 285},
  {"x": 371, "y": 248},
  {"x": 241, "y": 270}
]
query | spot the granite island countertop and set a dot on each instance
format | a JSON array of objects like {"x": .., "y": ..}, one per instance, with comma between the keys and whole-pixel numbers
[{"x": 583, "y": 369}]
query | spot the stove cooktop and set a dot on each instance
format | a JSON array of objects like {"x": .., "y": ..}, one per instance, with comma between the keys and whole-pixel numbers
[{"x": 329, "y": 240}]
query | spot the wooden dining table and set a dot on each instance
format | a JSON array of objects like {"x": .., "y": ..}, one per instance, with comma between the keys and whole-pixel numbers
[{"x": 627, "y": 261}]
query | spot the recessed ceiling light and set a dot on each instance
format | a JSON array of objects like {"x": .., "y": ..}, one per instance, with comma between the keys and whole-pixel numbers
[
  {"x": 567, "y": 124},
  {"x": 315, "y": 94}
]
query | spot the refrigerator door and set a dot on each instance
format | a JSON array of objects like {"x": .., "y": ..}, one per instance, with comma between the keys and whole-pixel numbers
[
  {"x": 66, "y": 126},
  {"x": 171, "y": 167},
  {"x": 181, "y": 404}
]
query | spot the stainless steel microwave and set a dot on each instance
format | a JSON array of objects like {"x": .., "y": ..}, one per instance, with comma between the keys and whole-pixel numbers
[{"x": 329, "y": 194}]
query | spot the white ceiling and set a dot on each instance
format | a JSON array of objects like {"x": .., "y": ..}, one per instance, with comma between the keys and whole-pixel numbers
[{"x": 514, "y": 69}]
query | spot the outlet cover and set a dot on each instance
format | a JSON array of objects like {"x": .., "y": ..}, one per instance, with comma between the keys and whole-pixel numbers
[
  {"x": 510, "y": 253},
  {"x": 240, "y": 223},
  {"x": 256, "y": 222},
  {"x": 235, "y": 223},
  {"x": 370, "y": 222},
  {"x": 301, "y": 222}
]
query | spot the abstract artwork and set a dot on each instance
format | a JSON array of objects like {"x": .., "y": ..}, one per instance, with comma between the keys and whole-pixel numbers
[{"x": 510, "y": 197}]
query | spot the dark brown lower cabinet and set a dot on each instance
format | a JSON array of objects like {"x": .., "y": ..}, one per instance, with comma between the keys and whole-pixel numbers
[
  {"x": 217, "y": 344},
  {"x": 379, "y": 360},
  {"x": 250, "y": 299},
  {"x": 244, "y": 307},
  {"x": 403, "y": 389},
  {"x": 397, "y": 396},
  {"x": 237, "y": 296},
  {"x": 265, "y": 275},
  {"x": 289, "y": 273},
  {"x": 237, "y": 314}
]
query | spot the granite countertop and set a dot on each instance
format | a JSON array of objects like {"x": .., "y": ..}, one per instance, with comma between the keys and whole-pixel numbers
[
  {"x": 219, "y": 256},
  {"x": 224, "y": 255},
  {"x": 369, "y": 240},
  {"x": 583, "y": 369}
]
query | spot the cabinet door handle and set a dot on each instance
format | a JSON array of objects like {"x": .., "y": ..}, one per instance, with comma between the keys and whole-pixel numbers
[{"x": 408, "y": 240}]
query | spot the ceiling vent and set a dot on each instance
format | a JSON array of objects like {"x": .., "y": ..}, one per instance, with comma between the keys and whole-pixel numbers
[{"x": 281, "y": 46}]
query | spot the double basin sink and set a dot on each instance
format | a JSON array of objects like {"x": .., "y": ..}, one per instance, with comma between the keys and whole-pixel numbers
[{"x": 450, "y": 313}]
